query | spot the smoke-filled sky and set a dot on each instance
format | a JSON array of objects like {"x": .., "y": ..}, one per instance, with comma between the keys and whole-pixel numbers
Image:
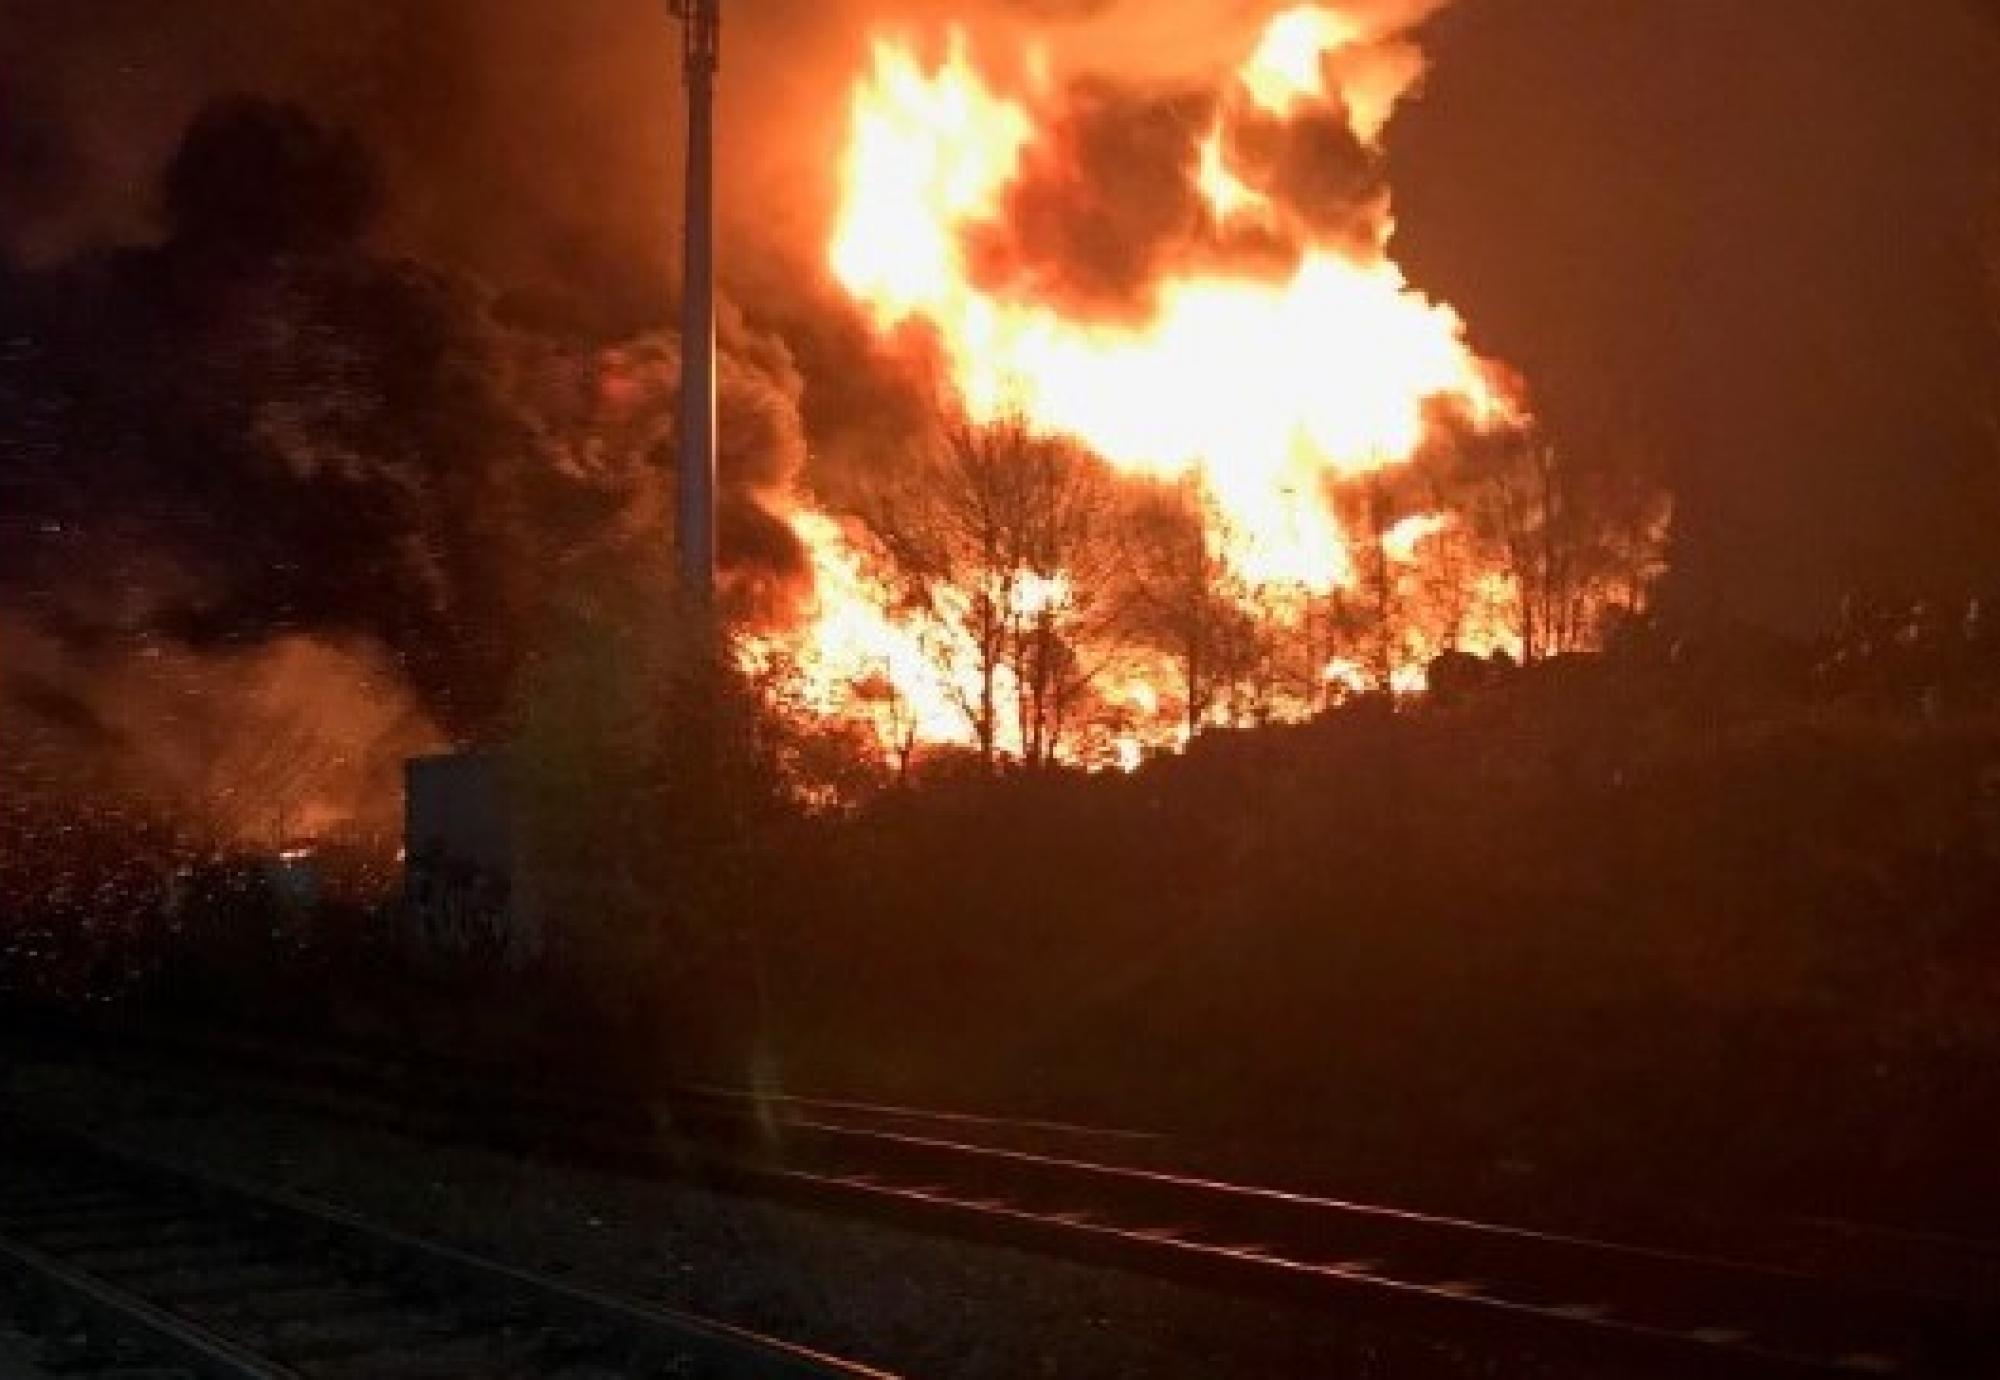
[
  {"x": 1752, "y": 233},
  {"x": 331, "y": 332}
]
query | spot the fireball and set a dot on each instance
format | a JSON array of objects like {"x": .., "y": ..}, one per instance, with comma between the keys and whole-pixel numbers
[{"x": 1265, "y": 385}]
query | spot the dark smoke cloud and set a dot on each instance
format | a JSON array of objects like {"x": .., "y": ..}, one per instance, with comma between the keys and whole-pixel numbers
[
  {"x": 1740, "y": 228},
  {"x": 346, "y": 326},
  {"x": 1104, "y": 197},
  {"x": 38, "y": 178},
  {"x": 533, "y": 144},
  {"x": 262, "y": 452},
  {"x": 1107, "y": 199},
  {"x": 1318, "y": 171},
  {"x": 253, "y": 176}
]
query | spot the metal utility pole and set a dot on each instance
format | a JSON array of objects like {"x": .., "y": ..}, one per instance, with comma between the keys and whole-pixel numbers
[{"x": 701, "y": 28}]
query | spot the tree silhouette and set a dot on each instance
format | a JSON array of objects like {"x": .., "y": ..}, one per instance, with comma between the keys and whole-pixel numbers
[
  {"x": 1002, "y": 542},
  {"x": 1576, "y": 533},
  {"x": 1189, "y": 603}
]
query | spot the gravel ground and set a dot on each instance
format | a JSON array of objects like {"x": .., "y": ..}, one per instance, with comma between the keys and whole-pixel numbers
[
  {"x": 25, "y": 1355},
  {"x": 917, "y": 1305},
  {"x": 17, "y": 1355}
]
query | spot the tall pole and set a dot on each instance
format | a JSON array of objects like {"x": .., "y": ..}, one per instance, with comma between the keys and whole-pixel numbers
[{"x": 701, "y": 24}]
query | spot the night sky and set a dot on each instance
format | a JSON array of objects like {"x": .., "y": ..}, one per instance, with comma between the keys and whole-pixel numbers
[{"x": 1768, "y": 233}]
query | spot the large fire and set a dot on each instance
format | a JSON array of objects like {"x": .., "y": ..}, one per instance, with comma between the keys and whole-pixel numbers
[{"x": 1261, "y": 384}]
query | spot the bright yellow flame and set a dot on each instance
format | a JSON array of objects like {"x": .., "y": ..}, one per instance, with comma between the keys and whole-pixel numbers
[
  {"x": 1401, "y": 542},
  {"x": 934, "y": 153},
  {"x": 1267, "y": 386},
  {"x": 1288, "y": 69},
  {"x": 1035, "y": 594},
  {"x": 1227, "y": 195},
  {"x": 857, "y": 654}
]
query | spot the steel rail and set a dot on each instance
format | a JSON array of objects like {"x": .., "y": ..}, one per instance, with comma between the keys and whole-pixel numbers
[
  {"x": 1154, "y": 1149},
  {"x": 1642, "y": 1304},
  {"x": 1464, "y": 1306},
  {"x": 122, "y": 1313},
  {"x": 716, "y": 1347}
]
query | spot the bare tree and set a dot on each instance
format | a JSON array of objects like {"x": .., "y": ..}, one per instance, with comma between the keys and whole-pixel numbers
[
  {"x": 894, "y": 719},
  {"x": 1002, "y": 541},
  {"x": 1188, "y": 602},
  {"x": 1448, "y": 576},
  {"x": 952, "y": 532},
  {"x": 1361, "y": 633},
  {"x": 1528, "y": 510},
  {"x": 1070, "y": 602},
  {"x": 1575, "y": 537},
  {"x": 1368, "y": 612}
]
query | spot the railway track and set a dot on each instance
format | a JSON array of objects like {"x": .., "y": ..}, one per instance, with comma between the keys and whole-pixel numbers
[
  {"x": 1092, "y": 1194},
  {"x": 174, "y": 1273},
  {"x": 1087, "y": 1192},
  {"x": 1624, "y": 1305}
]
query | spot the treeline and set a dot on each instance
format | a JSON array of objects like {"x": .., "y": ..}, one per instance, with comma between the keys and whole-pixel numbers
[
  {"x": 1067, "y": 613},
  {"x": 1644, "y": 897},
  {"x": 1696, "y": 919},
  {"x": 1704, "y": 914}
]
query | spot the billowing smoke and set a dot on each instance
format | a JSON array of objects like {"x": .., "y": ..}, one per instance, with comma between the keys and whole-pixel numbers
[
  {"x": 1109, "y": 197},
  {"x": 262, "y": 472},
  {"x": 1105, "y": 194},
  {"x": 384, "y": 353},
  {"x": 295, "y": 738},
  {"x": 372, "y": 357}
]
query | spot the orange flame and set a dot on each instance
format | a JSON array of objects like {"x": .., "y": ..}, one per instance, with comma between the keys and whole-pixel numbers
[
  {"x": 1266, "y": 388},
  {"x": 1227, "y": 196},
  {"x": 1287, "y": 69},
  {"x": 859, "y": 658}
]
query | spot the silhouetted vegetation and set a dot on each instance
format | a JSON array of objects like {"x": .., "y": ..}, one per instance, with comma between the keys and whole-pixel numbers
[
  {"x": 1699, "y": 911},
  {"x": 1701, "y": 915},
  {"x": 1657, "y": 914}
]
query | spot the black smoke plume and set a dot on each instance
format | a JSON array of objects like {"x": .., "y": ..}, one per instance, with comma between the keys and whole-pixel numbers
[{"x": 263, "y": 433}]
